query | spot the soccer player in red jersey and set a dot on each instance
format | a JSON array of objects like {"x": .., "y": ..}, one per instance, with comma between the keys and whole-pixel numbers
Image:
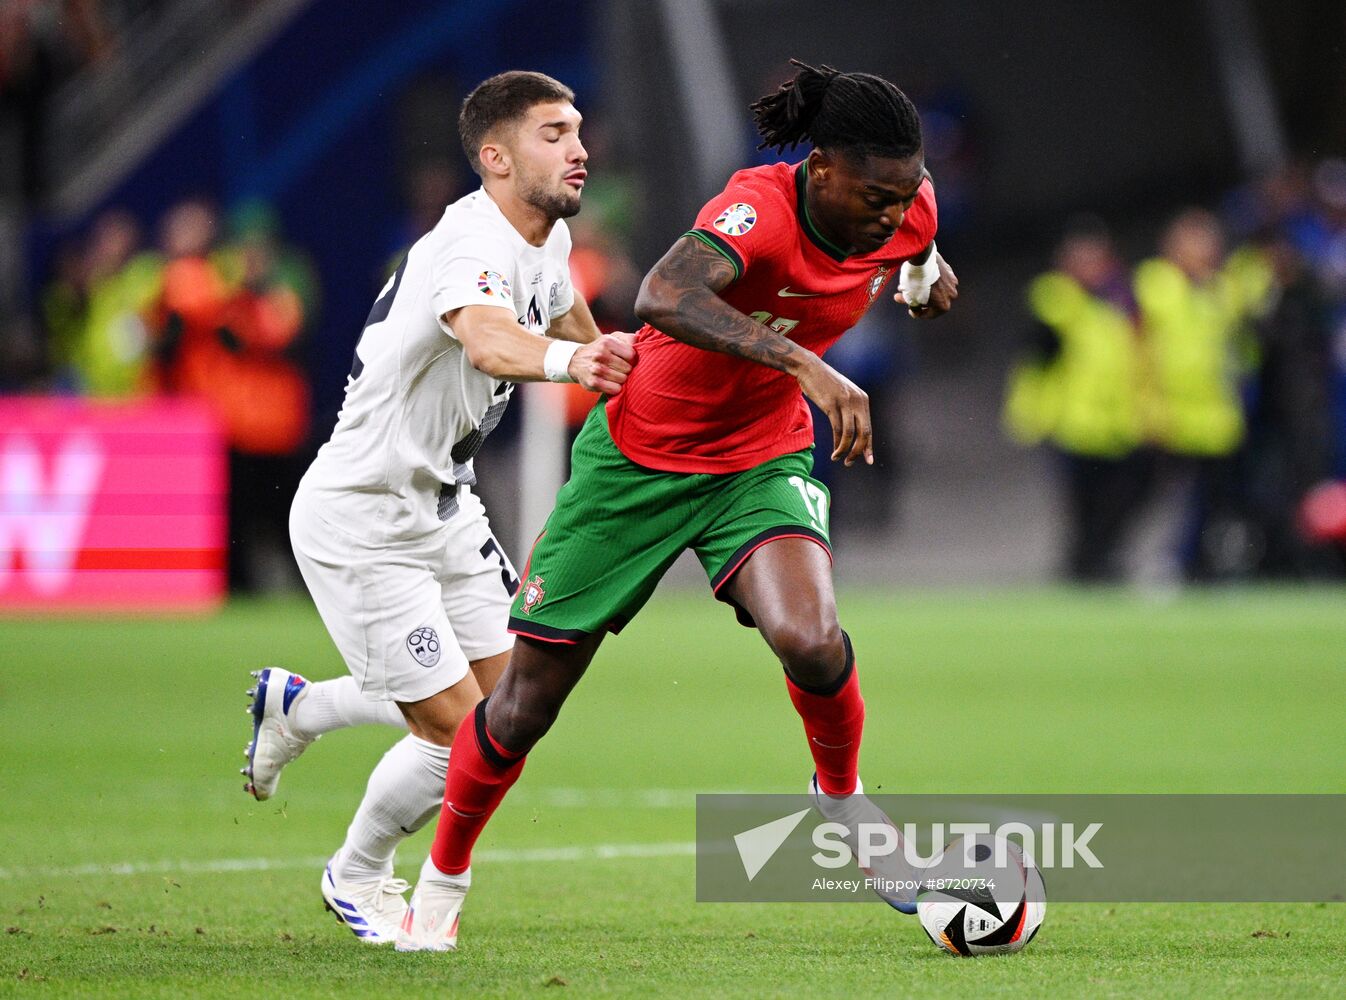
[{"x": 709, "y": 447}]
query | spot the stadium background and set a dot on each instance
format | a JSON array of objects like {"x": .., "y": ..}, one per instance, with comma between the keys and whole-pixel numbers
[
  {"x": 338, "y": 115},
  {"x": 331, "y": 113}
]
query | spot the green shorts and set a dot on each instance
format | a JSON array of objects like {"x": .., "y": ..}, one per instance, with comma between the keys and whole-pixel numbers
[{"x": 619, "y": 526}]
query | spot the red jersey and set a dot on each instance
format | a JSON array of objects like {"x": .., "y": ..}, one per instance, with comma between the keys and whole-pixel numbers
[{"x": 685, "y": 409}]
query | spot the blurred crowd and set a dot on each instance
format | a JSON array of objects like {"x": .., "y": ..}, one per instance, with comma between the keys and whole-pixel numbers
[
  {"x": 1205, "y": 380},
  {"x": 1212, "y": 374},
  {"x": 209, "y": 310},
  {"x": 224, "y": 310}
]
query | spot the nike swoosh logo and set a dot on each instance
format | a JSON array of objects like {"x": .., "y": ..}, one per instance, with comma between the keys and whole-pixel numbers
[
  {"x": 829, "y": 746},
  {"x": 785, "y": 293}
]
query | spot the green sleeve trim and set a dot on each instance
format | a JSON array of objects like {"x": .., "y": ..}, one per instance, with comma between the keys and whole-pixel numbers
[{"x": 721, "y": 247}]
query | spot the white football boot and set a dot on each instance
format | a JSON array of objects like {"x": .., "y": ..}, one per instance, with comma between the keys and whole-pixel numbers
[
  {"x": 274, "y": 743},
  {"x": 373, "y": 909},
  {"x": 894, "y": 879},
  {"x": 431, "y": 921}
]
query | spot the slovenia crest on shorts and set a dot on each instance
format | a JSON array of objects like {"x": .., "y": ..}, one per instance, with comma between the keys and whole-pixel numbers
[
  {"x": 736, "y": 220},
  {"x": 494, "y": 284},
  {"x": 424, "y": 645},
  {"x": 532, "y": 594}
]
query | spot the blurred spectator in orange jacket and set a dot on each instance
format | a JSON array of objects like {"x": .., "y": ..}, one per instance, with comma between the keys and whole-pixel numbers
[
  {"x": 228, "y": 329},
  {"x": 271, "y": 295},
  {"x": 190, "y": 310}
]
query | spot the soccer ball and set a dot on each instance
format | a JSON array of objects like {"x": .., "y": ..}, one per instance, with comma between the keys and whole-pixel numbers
[{"x": 969, "y": 905}]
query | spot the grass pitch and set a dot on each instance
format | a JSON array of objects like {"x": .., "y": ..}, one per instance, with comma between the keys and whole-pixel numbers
[{"x": 135, "y": 866}]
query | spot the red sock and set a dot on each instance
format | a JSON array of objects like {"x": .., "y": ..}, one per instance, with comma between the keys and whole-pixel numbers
[
  {"x": 481, "y": 771},
  {"x": 833, "y": 722}
]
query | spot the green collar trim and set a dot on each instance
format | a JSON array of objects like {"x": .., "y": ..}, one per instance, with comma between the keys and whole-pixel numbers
[{"x": 806, "y": 220}]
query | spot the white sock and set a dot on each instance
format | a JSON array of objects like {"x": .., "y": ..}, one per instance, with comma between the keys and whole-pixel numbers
[
  {"x": 857, "y": 810},
  {"x": 404, "y": 793},
  {"x": 336, "y": 704},
  {"x": 429, "y": 873}
]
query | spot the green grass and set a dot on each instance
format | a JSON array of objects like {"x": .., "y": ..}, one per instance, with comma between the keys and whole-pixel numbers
[{"x": 122, "y": 738}]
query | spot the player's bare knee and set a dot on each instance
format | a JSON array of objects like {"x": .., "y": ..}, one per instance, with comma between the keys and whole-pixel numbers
[
  {"x": 438, "y": 727},
  {"x": 813, "y": 653},
  {"x": 440, "y": 736},
  {"x": 518, "y": 725}
]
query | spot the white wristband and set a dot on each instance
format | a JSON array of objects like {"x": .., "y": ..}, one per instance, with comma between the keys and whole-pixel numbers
[
  {"x": 556, "y": 362},
  {"x": 916, "y": 280}
]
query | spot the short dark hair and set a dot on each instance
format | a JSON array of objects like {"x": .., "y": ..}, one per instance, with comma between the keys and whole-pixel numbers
[
  {"x": 855, "y": 113},
  {"x": 501, "y": 100}
]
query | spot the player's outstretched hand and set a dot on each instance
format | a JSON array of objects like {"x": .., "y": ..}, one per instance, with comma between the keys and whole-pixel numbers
[
  {"x": 847, "y": 409},
  {"x": 602, "y": 365},
  {"x": 942, "y": 293}
]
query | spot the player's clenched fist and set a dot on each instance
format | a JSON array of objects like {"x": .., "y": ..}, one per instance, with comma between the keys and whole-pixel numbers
[
  {"x": 602, "y": 365},
  {"x": 932, "y": 299}
]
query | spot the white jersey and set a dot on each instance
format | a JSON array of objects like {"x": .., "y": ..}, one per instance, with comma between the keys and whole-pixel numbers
[{"x": 416, "y": 411}]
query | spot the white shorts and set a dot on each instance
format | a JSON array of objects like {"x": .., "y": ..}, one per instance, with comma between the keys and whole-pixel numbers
[{"x": 408, "y": 616}]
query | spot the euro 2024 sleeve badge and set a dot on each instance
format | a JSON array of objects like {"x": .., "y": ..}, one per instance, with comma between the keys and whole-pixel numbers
[
  {"x": 737, "y": 219},
  {"x": 494, "y": 284}
]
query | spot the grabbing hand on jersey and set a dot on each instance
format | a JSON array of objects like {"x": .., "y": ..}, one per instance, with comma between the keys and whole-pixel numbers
[
  {"x": 846, "y": 406},
  {"x": 602, "y": 365},
  {"x": 942, "y": 292},
  {"x": 504, "y": 350}
]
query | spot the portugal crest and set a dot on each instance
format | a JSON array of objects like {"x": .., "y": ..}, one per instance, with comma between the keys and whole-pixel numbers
[
  {"x": 876, "y": 282},
  {"x": 532, "y": 594}
]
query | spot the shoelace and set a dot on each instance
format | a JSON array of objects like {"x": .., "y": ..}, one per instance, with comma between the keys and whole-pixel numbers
[{"x": 389, "y": 887}]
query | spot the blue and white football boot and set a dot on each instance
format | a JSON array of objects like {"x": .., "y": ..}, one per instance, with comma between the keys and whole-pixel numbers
[
  {"x": 373, "y": 909},
  {"x": 890, "y": 875},
  {"x": 274, "y": 743}
]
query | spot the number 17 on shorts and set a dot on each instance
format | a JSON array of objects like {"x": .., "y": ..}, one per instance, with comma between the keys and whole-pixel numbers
[{"x": 815, "y": 501}]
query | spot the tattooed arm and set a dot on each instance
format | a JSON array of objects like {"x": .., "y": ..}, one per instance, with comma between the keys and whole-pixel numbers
[{"x": 680, "y": 298}]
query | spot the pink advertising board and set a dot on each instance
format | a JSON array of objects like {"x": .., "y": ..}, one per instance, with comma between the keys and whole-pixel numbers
[{"x": 110, "y": 507}]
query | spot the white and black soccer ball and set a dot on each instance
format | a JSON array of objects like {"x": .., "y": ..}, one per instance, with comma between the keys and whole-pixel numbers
[{"x": 971, "y": 905}]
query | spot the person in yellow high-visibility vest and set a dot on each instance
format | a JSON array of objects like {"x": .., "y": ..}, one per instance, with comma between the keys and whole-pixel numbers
[
  {"x": 1195, "y": 306},
  {"x": 1077, "y": 389}
]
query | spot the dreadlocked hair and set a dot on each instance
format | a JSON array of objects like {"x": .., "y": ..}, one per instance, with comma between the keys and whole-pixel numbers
[{"x": 855, "y": 113}]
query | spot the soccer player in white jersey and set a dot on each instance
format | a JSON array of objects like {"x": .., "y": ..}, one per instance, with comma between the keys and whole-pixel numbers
[{"x": 392, "y": 543}]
